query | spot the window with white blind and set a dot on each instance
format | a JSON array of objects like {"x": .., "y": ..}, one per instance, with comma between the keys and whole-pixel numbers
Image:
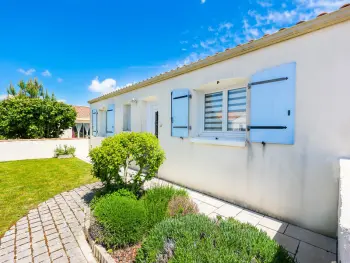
[{"x": 225, "y": 112}]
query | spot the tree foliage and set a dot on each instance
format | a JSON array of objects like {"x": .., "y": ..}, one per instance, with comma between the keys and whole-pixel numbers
[
  {"x": 27, "y": 117},
  {"x": 111, "y": 161}
]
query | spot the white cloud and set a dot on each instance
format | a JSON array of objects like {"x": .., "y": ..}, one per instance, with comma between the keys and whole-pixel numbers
[
  {"x": 327, "y": 4},
  {"x": 269, "y": 30},
  {"x": 264, "y": 3},
  {"x": 226, "y": 25},
  {"x": 46, "y": 73},
  {"x": 26, "y": 72},
  {"x": 203, "y": 1},
  {"x": 3, "y": 96},
  {"x": 59, "y": 80},
  {"x": 164, "y": 66},
  {"x": 249, "y": 32},
  {"x": 195, "y": 45},
  {"x": 62, "y": 100},
  {"x": 182, "y": 42},
  {"x": 184, "y": 49},
  {"x": 211, "y": 29},
  {"x": 105, "y": 86}
]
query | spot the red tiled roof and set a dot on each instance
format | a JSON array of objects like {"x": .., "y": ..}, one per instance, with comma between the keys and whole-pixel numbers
[{"x": 83, "y": 112}]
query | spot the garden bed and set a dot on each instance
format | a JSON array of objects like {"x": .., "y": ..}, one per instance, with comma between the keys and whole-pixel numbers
[{"x": 161, "y": 224}]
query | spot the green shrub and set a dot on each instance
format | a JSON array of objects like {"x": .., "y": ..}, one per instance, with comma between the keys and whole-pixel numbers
[
  {"x": 156, "y": 202},
  {"x": 122, "y": 220},
  {"x": 65, "y": 150},
  {"x": 115, "y": 155},
  {"x": 104, "y": 193},
  {"x": 181, "y": 206},
  {"x": 196, "y": 238}
]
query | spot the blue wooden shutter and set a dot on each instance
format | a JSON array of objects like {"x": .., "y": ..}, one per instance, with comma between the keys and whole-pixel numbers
[
  {"x": 110, "y": 120},
  {"x": 180, "y": 112},
  {"x": 272, "y": 100},
  {"x": 94, "y": 114}
]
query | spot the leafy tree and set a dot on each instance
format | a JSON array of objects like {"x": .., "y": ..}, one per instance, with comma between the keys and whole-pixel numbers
[
  {"x": 26, "y": 117},
  {"x": 111, "y": 160}
]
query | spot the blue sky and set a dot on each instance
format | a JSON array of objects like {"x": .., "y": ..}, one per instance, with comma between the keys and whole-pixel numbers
[{"x": 82, "y": 49}]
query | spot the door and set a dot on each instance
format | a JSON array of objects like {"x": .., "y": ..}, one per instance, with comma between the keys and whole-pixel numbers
[{"x": 153, "y": 119}]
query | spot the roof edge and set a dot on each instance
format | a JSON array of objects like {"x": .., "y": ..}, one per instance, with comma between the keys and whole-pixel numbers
[{"x": 297, "y": 30}]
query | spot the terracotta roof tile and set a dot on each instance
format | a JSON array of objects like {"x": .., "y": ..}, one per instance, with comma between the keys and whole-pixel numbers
[{"x": 83, "y": 112}]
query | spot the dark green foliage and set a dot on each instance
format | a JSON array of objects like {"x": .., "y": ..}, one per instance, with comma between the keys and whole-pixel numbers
[
  {"x": 106, "y": 193},
  {"x": 196, "y": 238},
  {"x": 156, "y": 203},
  {"x": 27, "y": 118},
  {"x": 115, "y": 155},
  {"x": 122, "y": 220}
]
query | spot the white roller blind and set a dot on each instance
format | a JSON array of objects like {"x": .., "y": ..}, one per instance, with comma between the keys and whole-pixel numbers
[{"x": 213, "y": 111}]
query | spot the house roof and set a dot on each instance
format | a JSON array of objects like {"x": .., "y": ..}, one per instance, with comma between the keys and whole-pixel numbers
[
  {"x": 83, "y": 112},
  {"x": 323, "y": 20}
]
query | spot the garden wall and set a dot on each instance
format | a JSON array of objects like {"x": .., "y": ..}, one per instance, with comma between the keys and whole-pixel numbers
[
  {"x": 11, "y": 150},
  {"x": 344, "y": 212}
]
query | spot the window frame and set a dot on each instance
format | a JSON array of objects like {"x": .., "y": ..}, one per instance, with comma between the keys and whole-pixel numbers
[{"x": 224, "y": 133}]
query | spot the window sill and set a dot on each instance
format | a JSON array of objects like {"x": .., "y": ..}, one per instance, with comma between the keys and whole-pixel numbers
[{"x": 222, "y": 142}]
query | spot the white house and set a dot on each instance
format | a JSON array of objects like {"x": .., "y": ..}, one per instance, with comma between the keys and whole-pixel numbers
[{"x": 261, "y": 125}]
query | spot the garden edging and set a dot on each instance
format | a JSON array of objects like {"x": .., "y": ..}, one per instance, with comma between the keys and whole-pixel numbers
[{"x": 99, "y": 252}]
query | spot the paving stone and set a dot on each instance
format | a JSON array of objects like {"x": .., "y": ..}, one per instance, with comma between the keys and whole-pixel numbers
[
  {"x": 10, "y": 257},
  {"x": 42, "y": 258},
  {"x": 39, "y": 244},
  {"x": 39, "y": 251},
  {"x": 57, "y": 254},
  {"x": 312, "y": 238},
  {"x": 309, "y": 254},
  {"x": 6, "y": 250},
  {"x": 289, "y": 243},
  {"x": 7, "y": 244},
  {"x": 52, "y": 236},
  {"x": 245, "y": 217},
  {"x": 36, "y": 229},
  {"x": 25, "y": 260},
  {"x": 23, "y": 247},
  {"x": 229, "y": 210},
  {"x": 23, "y": 235},
  {"x": 70, "y": 245},
  {"x": 7, "y": 238},
  {"x": 22, "y": 241},
  {"x": 274, "y": 224},
  {"x": 9, "y": 233},
  {"x": 24, "y": 253},
  {"x": 50, "y": 231},
  {"x": 210, "y": 200}
]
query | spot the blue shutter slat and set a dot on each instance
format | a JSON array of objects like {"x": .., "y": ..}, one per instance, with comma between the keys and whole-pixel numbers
[
  {"x": 180, "y": 113},
  {"x": 94, "y": 122},
  {"x": 110, "y": 120},
  {"x": 272, "y": 102}
]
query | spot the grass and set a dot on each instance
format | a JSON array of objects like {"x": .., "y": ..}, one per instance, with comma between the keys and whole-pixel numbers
[{"x": 25, "y": 184}]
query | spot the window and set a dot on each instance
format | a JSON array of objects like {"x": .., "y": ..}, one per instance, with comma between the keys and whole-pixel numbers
[
  {"x": 127, "y": 118},
  {"x": 225, "y": 111},
  {"x": 213, "y": 112}
]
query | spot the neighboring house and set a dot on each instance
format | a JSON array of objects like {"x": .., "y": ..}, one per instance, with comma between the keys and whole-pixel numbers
[
  {"x": 82, "y": 124},
  {"x": 262, "y": 125}
]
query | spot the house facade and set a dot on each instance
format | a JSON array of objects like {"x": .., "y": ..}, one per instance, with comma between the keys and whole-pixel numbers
[
  {"x": 81, "y": 129},
  {"x": 261, "y": 125}
]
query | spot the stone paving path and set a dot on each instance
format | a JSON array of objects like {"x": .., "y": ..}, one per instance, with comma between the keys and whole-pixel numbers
[{"x": 51, "y": 233}]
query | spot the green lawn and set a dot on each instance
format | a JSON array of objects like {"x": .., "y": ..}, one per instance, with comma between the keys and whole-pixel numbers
[{"x": 25, "y": 184}]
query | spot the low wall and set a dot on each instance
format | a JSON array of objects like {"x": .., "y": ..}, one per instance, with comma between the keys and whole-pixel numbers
[
  {"x": 11, "y": 150},
  {"x": 344, "y": 212}
]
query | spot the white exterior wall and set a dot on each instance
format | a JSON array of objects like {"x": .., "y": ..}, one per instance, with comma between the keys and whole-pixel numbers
[
  {"x": 37, "y": 149},
  {"x": 344, "y": 212},
  {"x": 297, "y": 183}
]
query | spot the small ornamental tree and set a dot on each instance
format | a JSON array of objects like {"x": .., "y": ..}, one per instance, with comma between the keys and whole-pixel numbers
[
  {"x": 116, "y": 154},
  {"x": 28, "y": 118}
]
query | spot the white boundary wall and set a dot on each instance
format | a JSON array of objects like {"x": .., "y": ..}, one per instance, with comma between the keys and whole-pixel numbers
[
  {"x": 344, "y": 212},
  {"x": 12, "y": 150}
]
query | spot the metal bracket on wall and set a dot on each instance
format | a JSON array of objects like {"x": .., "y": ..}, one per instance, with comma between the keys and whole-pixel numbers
[
  {"x": 266, "y": 127},
  {"x": 266, "y": 81}
]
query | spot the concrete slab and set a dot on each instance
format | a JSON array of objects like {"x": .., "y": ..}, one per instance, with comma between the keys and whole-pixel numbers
[
  {"x": 228, "y": 210},
  {"x": 205, "y": 208},
  {"x": 312, "y": 238},
  {"x": 246, "y": 217},
  {"x": 309, "y": 254},
  {"x": 274, "y": 224},
  {"x": 289, "y": 243}
]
